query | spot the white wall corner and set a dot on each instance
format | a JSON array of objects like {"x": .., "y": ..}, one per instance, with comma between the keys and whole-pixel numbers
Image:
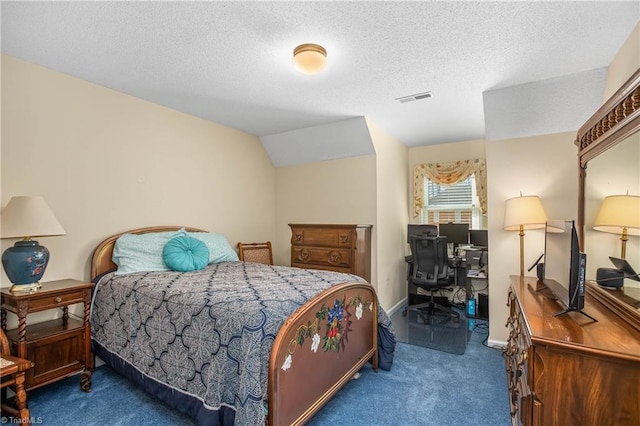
[
  {"x": 543, "y": 107},
  {"x": 339, "y": 139}
]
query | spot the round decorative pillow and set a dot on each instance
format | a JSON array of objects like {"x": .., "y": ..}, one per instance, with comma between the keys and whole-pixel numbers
[{"x": 184, "y": 253}]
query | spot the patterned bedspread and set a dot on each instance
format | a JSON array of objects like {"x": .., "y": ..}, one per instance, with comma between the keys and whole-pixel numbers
[{"x": 206, "y": 333}]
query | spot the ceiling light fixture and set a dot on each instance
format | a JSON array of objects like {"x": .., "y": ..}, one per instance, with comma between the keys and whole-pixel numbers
[{"x": 309, "y": 58}]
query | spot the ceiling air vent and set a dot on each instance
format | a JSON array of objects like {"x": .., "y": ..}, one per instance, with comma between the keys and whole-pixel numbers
[{"x": 415, "y": 97}]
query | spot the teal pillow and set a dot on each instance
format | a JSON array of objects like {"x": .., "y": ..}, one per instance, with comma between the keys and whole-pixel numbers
[{"x": 184, "y": 253}]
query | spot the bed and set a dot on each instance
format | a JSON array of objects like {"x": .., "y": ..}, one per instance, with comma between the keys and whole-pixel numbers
[{"x": 236, "y": 342}]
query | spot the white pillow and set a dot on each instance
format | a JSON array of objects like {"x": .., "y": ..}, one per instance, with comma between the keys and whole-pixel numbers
[
  {"x": 219, "y": 248},
  {"x": 142, "y": 252}
]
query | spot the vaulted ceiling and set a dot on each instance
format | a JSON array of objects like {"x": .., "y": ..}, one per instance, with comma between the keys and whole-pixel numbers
[{"x": 230, "y": 62}]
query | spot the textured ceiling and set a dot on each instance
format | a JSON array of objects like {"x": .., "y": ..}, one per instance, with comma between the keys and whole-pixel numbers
[{"x": 230, "y": 62}]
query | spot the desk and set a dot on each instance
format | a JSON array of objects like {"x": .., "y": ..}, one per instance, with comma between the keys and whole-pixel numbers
[
  {"x": 476, "y": 261},
  {"x": 482, "y": 297}
]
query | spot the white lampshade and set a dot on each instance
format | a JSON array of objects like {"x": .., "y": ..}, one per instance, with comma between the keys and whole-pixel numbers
[
  {"x": 29, "y": 216},
  {"x": 618, "y": 212},
  {"x": 309, "y": 58},
  {"x": 525, "y": 211}
]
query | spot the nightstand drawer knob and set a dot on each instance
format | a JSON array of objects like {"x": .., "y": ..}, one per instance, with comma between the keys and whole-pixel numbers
[{"x": 58, "y": 299}]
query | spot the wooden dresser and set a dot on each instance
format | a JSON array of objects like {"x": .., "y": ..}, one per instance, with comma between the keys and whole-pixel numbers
[
  {"x": 341, "y": 248},
  {"x": 569, "y": 370}
]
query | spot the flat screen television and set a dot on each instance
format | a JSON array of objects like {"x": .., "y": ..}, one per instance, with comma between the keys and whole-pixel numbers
[
  {"x": 565, "y": 265},
  {"x": 456, "y": 233}
]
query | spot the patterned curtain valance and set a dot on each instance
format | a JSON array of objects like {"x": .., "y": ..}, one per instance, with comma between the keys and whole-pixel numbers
[{"x": 449, "y": 174}]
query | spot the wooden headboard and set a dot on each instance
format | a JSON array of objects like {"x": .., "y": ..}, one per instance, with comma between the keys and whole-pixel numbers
[{"x": 101, "y": 260}]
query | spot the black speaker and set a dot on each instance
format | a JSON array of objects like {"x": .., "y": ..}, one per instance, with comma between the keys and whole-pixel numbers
[
  {"x": 483, "y": 306},
  {"x": 610, "y": 277}
]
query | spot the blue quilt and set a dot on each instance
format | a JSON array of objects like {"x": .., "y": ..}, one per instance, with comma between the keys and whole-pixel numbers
[{"x": 208, "y": 334}]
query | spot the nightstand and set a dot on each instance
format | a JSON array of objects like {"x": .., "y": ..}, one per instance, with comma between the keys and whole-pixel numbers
[{"x": 60, "y": 347}]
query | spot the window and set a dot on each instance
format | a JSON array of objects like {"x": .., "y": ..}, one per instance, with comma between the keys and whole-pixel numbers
[{"x": 451, "y": 203}]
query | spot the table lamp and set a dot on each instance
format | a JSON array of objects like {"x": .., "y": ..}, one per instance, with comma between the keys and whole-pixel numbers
[
  {"x": 27, "y": 217},
  {"x": 523, "y": 212},
  {"x": 619, "y": 214}
]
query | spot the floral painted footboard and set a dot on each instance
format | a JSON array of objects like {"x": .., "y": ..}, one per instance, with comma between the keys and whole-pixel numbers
[
  {"x": 208, "y": 342},
  {"x": 319, "y": 349}
]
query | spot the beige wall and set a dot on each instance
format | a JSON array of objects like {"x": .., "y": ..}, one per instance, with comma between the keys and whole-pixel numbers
[
  {"x": 359, "y": 190},
  {"x": 392, "y": 174},
  {"x": 624, "y": 64},
  {"x": 333, "y": 191},
  {"x": 541, "y": 165},
  {"x": 106, "y": 162}
]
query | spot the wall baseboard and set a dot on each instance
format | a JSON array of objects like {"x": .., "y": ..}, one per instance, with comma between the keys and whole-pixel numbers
[
  {"x": 397, "y": 307},
  {"x": 496, "y": 344}
]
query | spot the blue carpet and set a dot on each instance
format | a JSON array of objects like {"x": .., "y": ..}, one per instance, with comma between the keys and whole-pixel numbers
[
  {"x": 424, "y": 387},
  {"x": 427, "y": 387}
]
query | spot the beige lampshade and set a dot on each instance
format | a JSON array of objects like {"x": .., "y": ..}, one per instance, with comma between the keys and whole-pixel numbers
[
  {"x": 29, "y": 216},
  {"x": 524, "y": 210},
  {"x": 309, "y": 58},
  {"x": 618, "y": 212}
]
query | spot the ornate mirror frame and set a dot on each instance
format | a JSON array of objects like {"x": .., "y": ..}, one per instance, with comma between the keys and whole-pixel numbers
[{"x": 617, "y": 119}]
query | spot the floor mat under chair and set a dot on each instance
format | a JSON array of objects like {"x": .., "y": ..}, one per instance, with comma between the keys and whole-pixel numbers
[{"x": 439, "y": 332}]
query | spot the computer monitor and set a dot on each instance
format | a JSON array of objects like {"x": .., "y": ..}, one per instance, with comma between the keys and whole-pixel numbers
[
  {"x": 479, "y": 238},
  {"x": 456, "y": 233}
]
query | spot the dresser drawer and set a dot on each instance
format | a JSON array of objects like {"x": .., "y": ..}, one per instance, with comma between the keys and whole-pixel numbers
[
  {"x": 53, "y": 301},
  {"x": 326, "y": 237},
  {"x": 320, "y": 256}
]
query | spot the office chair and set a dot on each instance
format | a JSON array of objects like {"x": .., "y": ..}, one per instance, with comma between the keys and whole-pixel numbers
[
  {"x": 256, "y": 252},
  {"x": 414, "y": 230},
  {"x": 431, "y": 272},
  {"x": 424, "y": 230}
]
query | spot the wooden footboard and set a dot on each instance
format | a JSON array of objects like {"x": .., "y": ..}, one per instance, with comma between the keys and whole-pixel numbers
[{"x": 319, "y": 348}]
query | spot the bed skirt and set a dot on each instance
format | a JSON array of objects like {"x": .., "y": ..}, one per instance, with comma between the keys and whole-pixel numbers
[{"x": 182, "y": 402}]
